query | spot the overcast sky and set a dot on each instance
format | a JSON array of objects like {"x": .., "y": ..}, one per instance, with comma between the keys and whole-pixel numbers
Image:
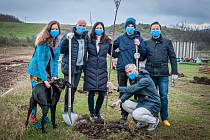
[{"x": 167, "y": 12}]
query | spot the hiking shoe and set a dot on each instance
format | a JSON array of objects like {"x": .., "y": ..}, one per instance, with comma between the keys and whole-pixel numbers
[
  {"x": 100, "y": 117},
  {"x": 93, "y": 117},
  {"x": 152, "y": 126},
  {"x": 37, "y": 125},
  {"x": 141, "y": 124},
  {"x": 166, "y": 123}
]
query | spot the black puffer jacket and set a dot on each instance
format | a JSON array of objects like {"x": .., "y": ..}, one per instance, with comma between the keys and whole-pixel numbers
[
  {"x": 125, "y": 44},
  {"x": 96, "y": 75},
  {"x": 157, "y": 54},
  {"x": 74, "y": 51}
]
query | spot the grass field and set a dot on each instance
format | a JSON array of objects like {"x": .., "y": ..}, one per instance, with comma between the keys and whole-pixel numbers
[
  {"x": 189, "y": 108},
  {"x": 19, "y": 30}
]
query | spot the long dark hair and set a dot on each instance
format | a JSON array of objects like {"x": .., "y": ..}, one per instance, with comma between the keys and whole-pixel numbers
[{"x": 104, "y": 37}]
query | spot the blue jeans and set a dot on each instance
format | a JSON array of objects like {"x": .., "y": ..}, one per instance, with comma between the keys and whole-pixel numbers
[
  {"x": 161, "y": 83},
  {"x": 99, "y": 102}
]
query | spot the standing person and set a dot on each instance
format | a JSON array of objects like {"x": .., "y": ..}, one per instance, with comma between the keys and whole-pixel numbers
[
  {"x": 124, "y": 49},
  {"x": 79, "y": 45},
  {"x": 96, "y": 75},
  {"x": 44, "y": 63},
  {"x": 144, "y": 110},
  {"x": 158, "y": 51}
]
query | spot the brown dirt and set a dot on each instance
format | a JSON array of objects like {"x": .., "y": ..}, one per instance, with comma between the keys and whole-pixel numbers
[
  {"x": 97, "y": 130},
  {"x": 201, "y": 80},
  {"x": 12, "y": 69}
]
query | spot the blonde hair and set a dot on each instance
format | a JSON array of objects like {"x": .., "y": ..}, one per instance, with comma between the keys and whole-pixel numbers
[{"x": 44, "y": 35}]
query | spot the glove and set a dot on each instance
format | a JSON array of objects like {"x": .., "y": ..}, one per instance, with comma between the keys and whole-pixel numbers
[
  {"x": 174, "y": 77},
  {"x": 69, "y": 35},
  {"x": 136, "y": 55}
]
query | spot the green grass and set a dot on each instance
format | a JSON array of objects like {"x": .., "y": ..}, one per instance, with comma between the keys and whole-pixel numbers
[
  {"x": 19, "y": 30},
  {"x": 189, "y": 111}
]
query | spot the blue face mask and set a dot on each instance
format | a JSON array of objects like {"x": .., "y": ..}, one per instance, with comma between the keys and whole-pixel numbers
[
  {"x": 155, "y": 33},
  {"x": 132, "y": 75},
  {"x": 54, "y": 33},
  {"x": 130, "y": 30},
  {"x": 80, "y": 29},
  {"x": 99, "y": 31}
]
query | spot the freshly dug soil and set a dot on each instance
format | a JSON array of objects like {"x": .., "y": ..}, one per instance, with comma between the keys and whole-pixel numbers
[
  {"x": 97, "y": 130},
  {"x": 11, "y": 72},
  {"x": 201, "y": 80}
]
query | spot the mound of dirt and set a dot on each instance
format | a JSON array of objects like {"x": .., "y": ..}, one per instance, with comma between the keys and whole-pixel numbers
[
  {"x": 97, "y": 130},
  {"x": 201, "y": 80}
]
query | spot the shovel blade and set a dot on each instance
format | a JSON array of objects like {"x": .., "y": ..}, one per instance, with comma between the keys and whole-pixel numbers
[{"x": 69, "y": 118}]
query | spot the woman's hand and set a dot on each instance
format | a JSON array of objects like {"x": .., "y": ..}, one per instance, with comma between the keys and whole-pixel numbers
[
  {"x": 110, "y": 86},
  {"x": 47, "y": 84},
  {"x": 116, "y": 104},
  {"x": 114, "y": 63}
]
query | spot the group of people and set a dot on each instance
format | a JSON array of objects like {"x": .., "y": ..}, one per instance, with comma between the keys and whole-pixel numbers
[{"x": 89, "y": 55}]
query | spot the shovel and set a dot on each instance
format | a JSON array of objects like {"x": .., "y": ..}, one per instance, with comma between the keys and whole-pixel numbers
[{"x": 69, "y": 117}]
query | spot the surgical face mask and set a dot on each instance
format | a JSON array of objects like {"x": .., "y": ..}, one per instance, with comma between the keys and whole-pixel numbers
[
  {"x": 54, "y": 33},
  {"x": 155, "y": 33},
  {"x": 132, "y": 75},
  {"x": 81, "y": 29},
  {"x": 130, "y": 30},
  {"x": 99, "y": 32}
]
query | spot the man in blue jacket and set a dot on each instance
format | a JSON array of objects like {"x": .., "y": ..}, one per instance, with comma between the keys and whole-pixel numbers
[
  {"x": 124, "y": 50},
  {"x": 145, "y": 109},
  {"x": 79, "y": 44},
  {"x": 158, "y": 51}
]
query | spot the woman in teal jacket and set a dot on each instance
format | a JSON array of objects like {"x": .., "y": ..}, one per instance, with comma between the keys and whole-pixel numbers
[{"x": 44, "y": 63}]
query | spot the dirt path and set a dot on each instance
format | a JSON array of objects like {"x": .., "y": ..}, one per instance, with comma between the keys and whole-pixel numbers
[{"x": 13, "y": 67}]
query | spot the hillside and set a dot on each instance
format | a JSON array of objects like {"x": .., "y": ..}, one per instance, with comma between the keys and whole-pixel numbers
[{"x": 26, "y": 32}]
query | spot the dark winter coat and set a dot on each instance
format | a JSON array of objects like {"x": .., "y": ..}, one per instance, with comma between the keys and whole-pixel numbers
[
  {"x": 95, "y": 73},
  {"x": 74, "y": 51},
  {"x": 125, "y": 54},
  {"x": 157, "y": 54},
  {"x": 146, "y": 92}
]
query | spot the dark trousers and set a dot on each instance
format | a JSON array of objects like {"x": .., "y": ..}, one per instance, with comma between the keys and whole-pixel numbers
[
  {"x": 99, "y": 101},
  {"x": 75, "y": 77},
  {"x": 122, "y": 81}
]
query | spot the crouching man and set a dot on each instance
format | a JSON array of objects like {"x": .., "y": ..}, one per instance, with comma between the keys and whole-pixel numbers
[{"x": 145, "y": 109}]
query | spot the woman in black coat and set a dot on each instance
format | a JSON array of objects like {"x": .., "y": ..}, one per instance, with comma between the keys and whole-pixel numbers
[{"x": 96, "y": 75}]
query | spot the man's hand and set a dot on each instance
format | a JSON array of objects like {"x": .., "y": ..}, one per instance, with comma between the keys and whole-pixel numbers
[
  {"x": 116, "y": 104},
  {"x": 111, "y": 86},
  {"x": 47, "y": 84},
  {"x": 174, "y": 77},
  {"x": 136, "y": 55},
  {"x": 136, "y": 42}
]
